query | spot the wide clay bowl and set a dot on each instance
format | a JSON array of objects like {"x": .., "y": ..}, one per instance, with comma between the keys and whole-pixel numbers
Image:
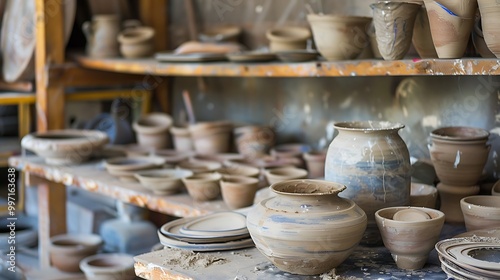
[
  {"x": 481, "y": 211},
  {"x": 280, "y": 174},
  {"x": 199, "y": 166},
  {"x": 238, "y": 191},
  {"x": 495, "y": 190},
  {"x": 423, "y": 195},
  {"x": 152, "y": 130},
  {"x": 163, "y": 181},
  {"x": 67, "y": 250},
  {"x": 410, "y": 233},
  {"x": 460, "y": 133},
  {"x": 203, "y": 186},
  {"x": 240, "y": 170},
  {"x": 69, "y": 146},
  {"x": 108, "y": 267},
  {"x": 173, "y": 156},
  {"x": 125, "y": 167}
]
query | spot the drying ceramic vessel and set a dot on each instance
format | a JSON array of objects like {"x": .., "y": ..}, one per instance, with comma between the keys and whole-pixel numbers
[
  {"x": 203, "y": 186},
  {"x": 67, "y": 250},
  {"x": 182, "y": 139},
  {"x": 373, "y": 42},
  {"x": 315, "y": 163},
  {"x": 288, "y": 38},
  {"x": 173, "y": 157},
  {"x": 152, "y": 130},
  {"x": 253, "y": 141},
  {"x": 339, "y": 37},
  {"x": 495, "y": 191},
  {"x": 478, "y": 40},
  {"x": 459, "y": 154},
  {"x": 372, "y": 160},
  {"x": 240, "y": 170},
  {"x": 199, "y": 166},
  {"x": 489, "y": 10},
  {"x": 101, "y": 34},
  {"x": 423, "y": 195},
  {"x": 221, "y": 158},
  {"x": 280, "y": 174},
  {"x": 137, "y": 42},
  {"x": 163, "y": 181},
  {"x": 125, "y": 167},
  {"x": 411, "y": 238},
  {"x": 422, "y": 38},
  {"x": 481, "y": 211},
  {"x": 450, "y": 197},
  {"x": 68, "y": 146},
  {"x": 306, "y": 228},
  {"x": 238, "y": 191},
  {"x": 450, "y": 31},
  {"x": 394, "y": 23},
  {"x": 109, "y": 267},
  {"x": 211, "y": 137}
]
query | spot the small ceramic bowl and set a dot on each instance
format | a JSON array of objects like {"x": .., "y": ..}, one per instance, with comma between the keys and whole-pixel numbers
[
  {"x": 288, "y": 38},
  {"x": 240, "y": 170},
  {"x": 173, "y": 156},
  {"x": 163, "y": 181},
  {"x": 481, "y": 211},
  {"x": 203, "y": 186},
  {"x": 125, "y": 167},
  {"x": 496, "y": 189},
  {"x": 276, "y": 175},
  {"x": 108, "y": 267},
  {"x": 423, "y": 195},
  {"x": 200, "y": 166},
  {"x": 67, "y": 250},
  {"x": 238, "y": 191}
]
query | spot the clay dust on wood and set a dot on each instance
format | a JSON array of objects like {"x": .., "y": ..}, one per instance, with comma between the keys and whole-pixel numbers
[{"x": 191, "y": 260}]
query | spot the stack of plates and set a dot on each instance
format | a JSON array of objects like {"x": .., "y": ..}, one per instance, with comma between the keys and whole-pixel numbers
[
  {"x": 471, "y": 257},
  {"x": 214, "y": 232}
]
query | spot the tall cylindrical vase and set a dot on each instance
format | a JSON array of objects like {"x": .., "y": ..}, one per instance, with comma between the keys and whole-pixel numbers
[{"x": 373, "y": 161}]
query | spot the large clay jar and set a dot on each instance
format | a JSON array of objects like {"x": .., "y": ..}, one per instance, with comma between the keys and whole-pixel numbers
[
  {"x": 101, "y": 34},
  {"x": 422, "y": 38},
  {"x": 152, "y": 130},
  {"x": 393, "y": 23},
  {"x": 372, "y": 160},
  {"x": 490, "y": 10},
  {"x": 306, "y": 228},
  {"x": 339, "y": 37}
]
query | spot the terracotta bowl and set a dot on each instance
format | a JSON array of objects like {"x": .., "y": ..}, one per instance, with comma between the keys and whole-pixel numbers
[
  {"x": 108, "y": 267},
  {"x": 238, "y": 191},
  {"x": 163, "y": 181},
  {"x": 125, "y": 167},
  {"x": 67, "y": 250},
  {"x": 240, "y": 170},
  {"x": 199, "y": 166},
  {"x": 203, "y": 186},
  {"x": 277, "y": 175},
  {"x": 137, "y": 42},
  {"x": 152, "y": 130},
  {"x": 481, "y": 211},
  {"x": 69, "y": 146},
  {"x": 411, "y": 237},
  {"x": 182, "y": 139},
  {"x": 423, "y": 195},
  {"x": 460, "y": 133},
  {"x": 288, "y": 38},
  {"x": 496, "y": 189}
]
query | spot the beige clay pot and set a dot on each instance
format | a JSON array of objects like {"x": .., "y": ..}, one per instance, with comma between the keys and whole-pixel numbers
[
  {"x": 200, "y": 166},
  {"x": 489, "y": 17},
  {"x": 108, "y": 267},
  {"x": 423, "y": 195},
  {"x": 238, "y": 191},
  {"x": 203, "y": 186},
  {"x": 288, "y": 38},
  {"x": 67, "y": 250},
  {"x": 450, "y": 197},
  {"x": 101, "y": 34},
  {"x": 253, "y": 141},
  {"x": 240, "y": 170},
  {"x": 182, "y": 139},
  {"x": 152, "y": 130},
  {"x": 137, "y": 42},
  {"x": 211, "y": 137},
  {"x": 281, "y": 174},
  {"x": 315, "y": 163},
  {"x": 481, "y": 211},
  {"x": 479, "y": 42}
]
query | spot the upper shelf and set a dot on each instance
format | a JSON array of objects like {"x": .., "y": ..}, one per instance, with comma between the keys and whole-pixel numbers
[{"x": 349, "y": 68}]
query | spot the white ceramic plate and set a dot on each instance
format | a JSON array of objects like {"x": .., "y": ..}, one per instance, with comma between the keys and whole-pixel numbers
[
  {"x": 456, "y": 272},
  {"x": 478, "y": 255},
  {"x": 231, "y": 245},
  {"x": 217, "y": 224}
]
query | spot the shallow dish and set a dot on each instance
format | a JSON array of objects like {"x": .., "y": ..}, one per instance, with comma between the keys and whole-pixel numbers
[
  {"x": 224, "y": 246},
  {"x": 125, "y": 167},
  {"x": 297, "y": 55},
  {"x": 163, "y": 181},
  {"x": 482, "y": 256},
  {"x": 191, "y": 57},
  {"x": 217, "y": 224},
  {"x": 251, "y": 56}
]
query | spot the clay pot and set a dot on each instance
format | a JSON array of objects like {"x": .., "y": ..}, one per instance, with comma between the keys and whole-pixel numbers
[
  {"x": 240, "y": 170},
  {"x": 496, "y": 189},
  {"x": 108, "y": 267},
  {"x": 281, "y": 174},
  {"x": 489, "y": 16},
  {"x": 423, "y": 195},
  {"x": 450, "y": 197},
  {"x": 306, "y": 228},
  {"x": 372, "y": 160},
  {"x": 315, "y": 163},
  {"x": 450, "y": 31},
  {"x": 218, "y": 157},
  {"x": 68, "y": 146},
  {"x": 101, "y": 34},
  {"x": 339, "y": 37},
  {"x": 238, "y": 191},
  {"x": 288, "y": 38},
  {"x": 137, "y": 42},
  {"x": 422, "y": 38},
  {"x": 459, "y": 154},
  {"x": 211, "y": 137},
  {"x": 203, "y": 186},
  {"x": 394, "y": 23},
  {"x": 478, "y": 40},
  {"x": 152, "y": 130},
  {"x": 410, "y": 239},
  {"x": 67, "y": 250},
  {"x": 199, "y": 166},
  {"x": 163, "y": 181},
  {"x": 182, "y": 139},
  {"x": 481, "y": 211},
  {"x": 253, "y": 141},
  {"x": 125, "y": 167},
  {"x": 172, "y": 156}
]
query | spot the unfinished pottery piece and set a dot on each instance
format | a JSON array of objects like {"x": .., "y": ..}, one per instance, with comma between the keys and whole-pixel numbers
[
  {"x": 410, "y": 241},
  {"x": 288, "y": 38},
  {"x": 182, "y": 139},
  {"x": 339, "y": 37},
  {"x": 372, "y": 160},
  {"x": 315, "y": 163},
  {"x": 203, "y": 186},
  {"x": 67, "y": 146},
  {"x": 173, "y": 156},
  {"x": 450, "y": 197},
  {"x": 306, "y": 228},
  {"x": 394, "y": 23},
  {"x": 478, "y": 40},
  {"x": 410, "y": 215},
  {"x": 239, "y": 170},
  {"x": 253, "y": 141},
  {"x": 221, "y": 158},
  {"x": 152, "y": 130},
  {"x": 125, "y": 167},
  {"x": 276, "y": 175},
  {"x": 101, "y": 34},
  {"x": 137, "y": 42},
  {"x": 489, "y": 16},
  {"x": 481, "y": 211},
  {"x": 199, "y": 166},
  {"x": 496, "y": 189},
  {"x": 238, "y": 191},
  {"x": 450, "y": 31},
  {"x": 423, "y": 195},
  {"x": 108, "y": 267},
  {"x": 163, "y": 181},
  {"x": 422, "y": 38},
  {"x": 211, "y": 137},
  {"x": 67, "y": 250}
]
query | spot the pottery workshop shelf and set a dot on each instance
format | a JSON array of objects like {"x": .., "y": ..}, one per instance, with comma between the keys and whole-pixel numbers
[{"x": 349, "y": 68}]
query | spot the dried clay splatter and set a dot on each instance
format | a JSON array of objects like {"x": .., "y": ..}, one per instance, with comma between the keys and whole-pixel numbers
[
  {"x": 191, "y": 260},
  {"x": 332, "y": 275}
]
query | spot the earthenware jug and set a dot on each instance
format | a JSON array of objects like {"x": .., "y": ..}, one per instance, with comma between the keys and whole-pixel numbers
[
  {"x": 372, "y": 160},
  {"x": 306, "y": 228},
  {"x": 101, "y": 34}
]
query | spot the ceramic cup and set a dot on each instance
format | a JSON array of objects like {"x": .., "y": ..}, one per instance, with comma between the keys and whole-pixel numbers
[
  {"x": 108, "y": 267},
  {"x": 481, "y": 211},
  {"x": 203, "y": 186},
  {"x": 238, "y": 191},
  {"x": 315, "y": 163}
]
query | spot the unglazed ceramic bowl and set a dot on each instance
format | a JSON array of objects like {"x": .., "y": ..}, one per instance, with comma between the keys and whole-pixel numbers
[
  {"x": 199, "y": 166},
  {"x": 211, "y": 137},
  {"x": 152, "y": 130},
  {"x": 240, "y": 170},
  {"x": 238, "y": 191},
  {"x": 67, "y": 250},
  {"x": 288, "y": 38},
  {"x": 108, "y": 267},
  {"x": 163, "y": 181},
  {"x": 125, "y": 167},
  {"x": 203, "y": 186},
  {"x": 276, "y": 175},
  {"x": 173, "y": 156},
  {"x": 136, "y": 42},
  {"x": 423, "y": 195},
  {"x": 182, "y": 139},
  {"x": 481, "y": 211},
  {"x": 315, "y": 163}
]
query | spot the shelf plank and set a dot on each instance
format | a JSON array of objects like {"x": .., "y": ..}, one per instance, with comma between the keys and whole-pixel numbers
[{"x": 429, "y": 67}]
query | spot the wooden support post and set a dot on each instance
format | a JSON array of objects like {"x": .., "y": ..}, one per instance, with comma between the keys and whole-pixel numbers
[{"x": 24, "y": 116}]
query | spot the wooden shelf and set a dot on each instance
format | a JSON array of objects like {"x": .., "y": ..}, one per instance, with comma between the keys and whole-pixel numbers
[{"x": 350, "y": 68}]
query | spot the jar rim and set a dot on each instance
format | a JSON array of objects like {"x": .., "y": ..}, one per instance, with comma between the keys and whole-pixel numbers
[
  {"x": 368, "y": 126},
  {"x": 307, "y": 187}
]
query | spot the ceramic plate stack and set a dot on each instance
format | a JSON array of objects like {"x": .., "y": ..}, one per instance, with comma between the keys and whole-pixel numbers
[
  {"x": 214, "y": 232},
  {"x": 471, "y": 256}
]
